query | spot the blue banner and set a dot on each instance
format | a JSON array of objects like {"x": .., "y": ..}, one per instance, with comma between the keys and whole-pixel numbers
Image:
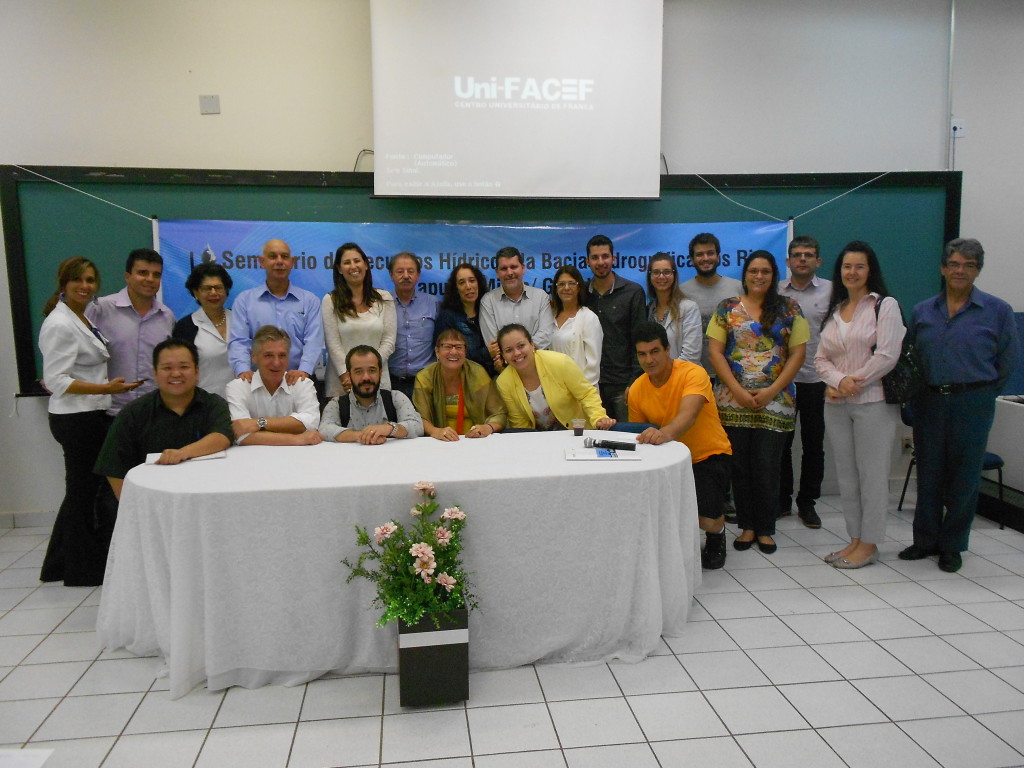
[{"x": 236, "y": 245}]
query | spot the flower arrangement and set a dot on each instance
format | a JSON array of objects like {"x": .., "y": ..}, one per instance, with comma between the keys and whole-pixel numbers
[{"x": 420, "y": 570}]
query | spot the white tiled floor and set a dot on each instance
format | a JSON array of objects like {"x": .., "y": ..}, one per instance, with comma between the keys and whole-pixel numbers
[{"x": 785, "y": 662}]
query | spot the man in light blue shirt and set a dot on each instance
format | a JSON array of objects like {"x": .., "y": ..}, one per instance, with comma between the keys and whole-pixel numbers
[
  {"x": 812, "y": 293},
  {"x": 280, "y": 304},
  {"x": 416, "y": 314}
]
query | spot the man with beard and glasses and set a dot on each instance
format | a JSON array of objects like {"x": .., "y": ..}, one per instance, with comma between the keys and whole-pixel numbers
[{"x": 368, "y": 414}]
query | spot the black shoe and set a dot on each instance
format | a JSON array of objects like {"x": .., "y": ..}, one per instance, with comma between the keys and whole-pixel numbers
[
  {"x": 950, "y": 562},
  {"x": 712, "y": 557},
  {"x": 742, "y": 546},
  {"x": 808, "y": 516},
  {"x": 914, "y": 552},
  {"x": 785, "y": 508},
  {"x": 767, "y": 548}
]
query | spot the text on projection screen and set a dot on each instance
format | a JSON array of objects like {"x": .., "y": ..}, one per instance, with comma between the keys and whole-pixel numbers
[{"x": 517, "y": 99}]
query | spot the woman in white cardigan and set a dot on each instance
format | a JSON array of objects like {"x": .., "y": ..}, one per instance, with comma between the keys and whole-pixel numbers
[
  {"x": 669, "y": 306},
  {"x": 861, "y": 338},
  {"x": 578, "y": 331},
  {"x": 75, "y": 373},
  {"x": 356, "y": 313}
]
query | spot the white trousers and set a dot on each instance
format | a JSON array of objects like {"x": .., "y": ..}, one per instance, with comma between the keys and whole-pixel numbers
[{"x": 861, "y": 436}]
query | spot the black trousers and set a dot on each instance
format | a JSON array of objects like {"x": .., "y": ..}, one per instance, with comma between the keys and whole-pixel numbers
[
  {"x": 755, "y": 477},
  {"x": 77, "y": 552},
  {"x": 810, "y": 411}
]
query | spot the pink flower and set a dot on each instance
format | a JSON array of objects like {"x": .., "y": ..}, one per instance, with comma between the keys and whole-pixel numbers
[
  {"x": 422, "y": 550},
  {"x": 425, "y": 487},
  {"x": 426, "y": 579},
  {"x": 446, "y": 581},
  {"x": 415, "y": 511},
  {"x": 385, "y": 531},
  {"x": 425, "y": 567},
  {"x": 453, "y": 513},
  {"x": 444, "y": 536}
]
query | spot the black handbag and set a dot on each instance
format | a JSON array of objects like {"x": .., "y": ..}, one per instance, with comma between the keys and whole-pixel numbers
[{"x": 906, "y": 379}]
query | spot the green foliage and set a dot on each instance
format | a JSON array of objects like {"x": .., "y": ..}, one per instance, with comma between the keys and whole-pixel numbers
[{"x": 417, "y": 569}]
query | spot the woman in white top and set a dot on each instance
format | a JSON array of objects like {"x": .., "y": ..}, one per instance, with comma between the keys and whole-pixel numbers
[
  {"x": 209, "y": 325},
  {"x": 75, "y": 373},
  {"x": 861, "y": 338},
  {"x": 578, "y": 331},
  {"x": 356, "y": 313},
  {"x": 669, "y": 306}
]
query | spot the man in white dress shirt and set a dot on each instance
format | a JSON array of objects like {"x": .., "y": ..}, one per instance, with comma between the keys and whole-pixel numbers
[
  {"x": 268, "y": 410},
  {"x": 515, "y": 302}
]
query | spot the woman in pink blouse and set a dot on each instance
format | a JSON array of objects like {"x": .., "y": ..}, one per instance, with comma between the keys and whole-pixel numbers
[{"x": 860, "y": 343}]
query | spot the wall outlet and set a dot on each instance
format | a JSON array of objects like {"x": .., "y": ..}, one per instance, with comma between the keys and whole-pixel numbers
[
  {"x": 908, "y": 444},
  {"x": 957, "y": 128}
]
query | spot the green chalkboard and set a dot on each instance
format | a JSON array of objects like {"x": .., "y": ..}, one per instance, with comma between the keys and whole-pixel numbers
[{"x": 905, "y": 216}]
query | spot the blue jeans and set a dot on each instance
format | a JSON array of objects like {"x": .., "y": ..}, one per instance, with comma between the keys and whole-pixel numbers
[{"x": 950, "y": 435}]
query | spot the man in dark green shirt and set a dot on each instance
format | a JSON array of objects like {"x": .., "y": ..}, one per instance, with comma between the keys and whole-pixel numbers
[{"x": 179, "y": 421}]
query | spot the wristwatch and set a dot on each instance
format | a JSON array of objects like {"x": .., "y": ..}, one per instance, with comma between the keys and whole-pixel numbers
[
  {"x": 261, "y": 422},
  {"x": 394, "y": 428}
]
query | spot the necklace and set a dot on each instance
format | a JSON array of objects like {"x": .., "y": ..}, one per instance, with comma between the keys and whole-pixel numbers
[{"x": 223, "y": 319}]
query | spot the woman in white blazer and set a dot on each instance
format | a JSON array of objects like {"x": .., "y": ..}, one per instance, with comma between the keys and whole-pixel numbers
[
  {"x": 209, "y": 326},
  {"x": 75, "y": 373},
  {"x": 578, "y": 331}
]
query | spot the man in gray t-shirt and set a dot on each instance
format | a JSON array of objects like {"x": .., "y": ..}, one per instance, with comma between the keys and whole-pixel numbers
[{"x": 708, "y": 288}]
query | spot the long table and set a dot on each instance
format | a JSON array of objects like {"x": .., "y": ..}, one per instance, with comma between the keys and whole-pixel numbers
[{"x": 229, "y": 568}]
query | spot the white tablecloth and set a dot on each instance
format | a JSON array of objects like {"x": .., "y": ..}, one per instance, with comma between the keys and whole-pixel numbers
[{"x": 230, "y": 568}]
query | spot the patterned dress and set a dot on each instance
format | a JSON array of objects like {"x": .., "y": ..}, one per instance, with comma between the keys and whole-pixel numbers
[{"x": 757, "y": 356}]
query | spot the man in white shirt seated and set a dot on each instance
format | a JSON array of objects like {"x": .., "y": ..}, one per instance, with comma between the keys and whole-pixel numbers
[
  {"x": 368, "y": 414},
  {"x": 268, "y": 410}
]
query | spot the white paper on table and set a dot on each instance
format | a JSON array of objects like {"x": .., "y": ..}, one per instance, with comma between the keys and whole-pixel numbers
[
  {"x": 24, "y": 758},
  {"x": 600, "y": 454},
  {"x": 152, "y": 457}
]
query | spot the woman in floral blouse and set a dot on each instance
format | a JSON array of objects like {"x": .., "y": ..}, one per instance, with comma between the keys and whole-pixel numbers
[{"x": 756, "y": 345}]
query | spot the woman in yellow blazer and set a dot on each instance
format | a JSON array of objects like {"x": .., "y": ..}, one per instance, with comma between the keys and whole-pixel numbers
[{"x": 542, "y": 389}]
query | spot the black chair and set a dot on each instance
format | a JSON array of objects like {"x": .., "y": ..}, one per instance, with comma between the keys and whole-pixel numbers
[{"x": 993, "y": 461}]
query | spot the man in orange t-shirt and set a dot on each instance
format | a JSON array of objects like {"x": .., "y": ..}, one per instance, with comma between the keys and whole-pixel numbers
[{"x": 677, "y": 396}]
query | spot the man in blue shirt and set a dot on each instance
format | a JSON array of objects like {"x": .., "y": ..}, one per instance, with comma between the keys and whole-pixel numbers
[
  {"x": 417, "y": 313},
  {"x": 968, "y": 344},
  {"x": 282, "y": 305}
]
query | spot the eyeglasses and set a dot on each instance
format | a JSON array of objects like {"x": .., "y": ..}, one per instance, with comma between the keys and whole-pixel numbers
[
  {"x": 451, "y": 347},
  {"x": 210, "y": 288},
  {"x": 966, "y": 266},
  {"x": 567, "y": 284},
  {"x": 661, "y": 273}
]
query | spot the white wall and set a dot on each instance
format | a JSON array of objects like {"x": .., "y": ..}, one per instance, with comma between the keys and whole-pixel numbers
[{"x": 749, "y": 86}]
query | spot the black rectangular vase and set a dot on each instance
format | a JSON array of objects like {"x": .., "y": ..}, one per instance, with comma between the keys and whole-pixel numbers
[{"x": 433, "y": 663}]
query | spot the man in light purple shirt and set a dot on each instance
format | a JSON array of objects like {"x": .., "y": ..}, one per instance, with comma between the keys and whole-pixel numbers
[
  {"x": 283, "y": 305},
  {"x": 812, "y": 293},
  {"x": 133, "y": 321}
]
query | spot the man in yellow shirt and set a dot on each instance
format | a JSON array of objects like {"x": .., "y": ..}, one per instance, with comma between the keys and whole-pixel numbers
[{"x": 676, "y": 395}]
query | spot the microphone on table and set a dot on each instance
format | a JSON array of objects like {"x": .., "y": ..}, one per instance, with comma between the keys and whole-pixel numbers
[{"x": 589, "y": 442}]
